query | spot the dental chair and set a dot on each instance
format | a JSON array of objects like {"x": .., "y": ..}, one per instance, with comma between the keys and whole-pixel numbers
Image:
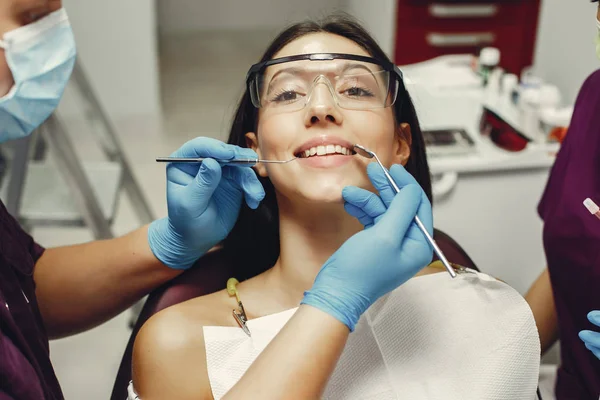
[{"x": 210, "y": 275}]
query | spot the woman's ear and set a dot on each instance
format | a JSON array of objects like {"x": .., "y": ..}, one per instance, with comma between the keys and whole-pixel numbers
[
  {"x": 403, "y": 143},
  {"x": 252, "y": 143}
]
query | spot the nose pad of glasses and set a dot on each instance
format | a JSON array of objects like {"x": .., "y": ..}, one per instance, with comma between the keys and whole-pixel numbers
[{"x": 321, "y": 79}]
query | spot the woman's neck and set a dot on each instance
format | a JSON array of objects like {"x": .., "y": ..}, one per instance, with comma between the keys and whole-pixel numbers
[{"x": 307, "y": 239}]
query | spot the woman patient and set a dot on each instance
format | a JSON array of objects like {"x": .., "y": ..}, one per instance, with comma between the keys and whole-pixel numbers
[{"x": 314, "y": 108}]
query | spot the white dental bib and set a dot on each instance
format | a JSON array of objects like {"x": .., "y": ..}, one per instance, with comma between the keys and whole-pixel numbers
[{"x": 471, "y": 337}]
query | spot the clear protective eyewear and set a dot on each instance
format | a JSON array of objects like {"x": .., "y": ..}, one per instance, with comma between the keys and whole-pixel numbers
[{"x": 355, "y": 82}]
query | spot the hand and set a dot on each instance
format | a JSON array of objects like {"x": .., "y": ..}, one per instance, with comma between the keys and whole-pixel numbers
[
  {"x": 591, "y": 338},
  {"x": 203, "y": 202},
  {"x": 380, "y": 258}
]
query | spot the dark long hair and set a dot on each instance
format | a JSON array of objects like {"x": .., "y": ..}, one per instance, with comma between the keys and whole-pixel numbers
[{"x": 253, "y": 243}]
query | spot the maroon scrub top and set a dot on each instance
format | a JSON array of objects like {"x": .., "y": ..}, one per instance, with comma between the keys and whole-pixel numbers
[
  {"x": 25, "y": 369},
  {"x": 572, "y": 243}
]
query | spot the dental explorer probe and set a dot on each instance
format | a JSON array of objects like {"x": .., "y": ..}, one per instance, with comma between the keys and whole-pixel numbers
[
  {"x": 240, "y": 161},
  {"x": 369, "y": 154}
]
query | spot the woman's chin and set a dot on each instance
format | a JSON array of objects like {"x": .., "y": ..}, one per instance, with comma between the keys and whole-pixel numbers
[
  {"x": 326, "y": 194},
  {"x": 320, "y": 189}
]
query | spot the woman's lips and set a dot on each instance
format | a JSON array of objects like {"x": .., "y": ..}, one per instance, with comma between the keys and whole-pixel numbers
[{"x": 325, "y": 161}]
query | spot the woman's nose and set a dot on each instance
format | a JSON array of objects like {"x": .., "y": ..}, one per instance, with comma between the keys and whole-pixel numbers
[{"x": 322, "y": 107}]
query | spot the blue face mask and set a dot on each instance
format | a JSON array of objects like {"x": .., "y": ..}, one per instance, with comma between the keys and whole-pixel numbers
[{"x": 41, "y": 57}]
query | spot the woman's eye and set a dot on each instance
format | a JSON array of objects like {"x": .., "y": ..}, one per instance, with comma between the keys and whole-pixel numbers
[
  {"x": 358, "y": 92},
  {"x": 288, "y": 95}
]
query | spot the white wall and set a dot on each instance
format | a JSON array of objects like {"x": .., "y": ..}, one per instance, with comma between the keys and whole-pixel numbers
[
  {"x": 194, "y": 15},
  {"x": 565, "y": 53},
  {"x": 379, "y": 18},
  {"x": 117, "y": 45}
]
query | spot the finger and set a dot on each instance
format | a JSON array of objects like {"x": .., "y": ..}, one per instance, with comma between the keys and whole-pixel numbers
[
  {"x": 426, "y": 218},
  {"x": 400, "y": 214},
  {"x": 370, "y": 203},
  {"x": 182, "y": 176},
  {"x": 206, "y": 182},
  {"x": 594, "y": 317},
  {"x": 358, "y": 213},
  {"x": 590, "y": 337},
  {"x": 400, "y": 176},
  {"x": 243, "y": 152},
  {"x": 208, "y": 148},
  {"x": 425, "y": 212},
  {"x": 246, "y": 179},
  {"x": 381, "y": 183},
  {"x": 595, "y": 350},
  {"x": 212, "y": 148}
]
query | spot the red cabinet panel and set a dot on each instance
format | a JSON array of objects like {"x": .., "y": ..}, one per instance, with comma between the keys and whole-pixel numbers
[
  {"x": 441, "y": 13},
  {"x": 429, "y": 29}
]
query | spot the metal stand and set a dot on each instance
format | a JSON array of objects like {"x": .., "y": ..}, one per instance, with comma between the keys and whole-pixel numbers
[
  {"x": 72, "y": 170},
  {"x": 111, "y": 145},
  {"x": 91, "y": 191},
  {"x": 18, "y": 173}
]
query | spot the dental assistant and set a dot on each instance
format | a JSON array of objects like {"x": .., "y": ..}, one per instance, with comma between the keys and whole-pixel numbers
[
  {"x": 569, "y": 289},
  {"x": 62, "y": 291}
]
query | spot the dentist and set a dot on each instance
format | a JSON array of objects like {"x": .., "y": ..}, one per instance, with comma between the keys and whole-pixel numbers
[{"x": 566, "y": 292}]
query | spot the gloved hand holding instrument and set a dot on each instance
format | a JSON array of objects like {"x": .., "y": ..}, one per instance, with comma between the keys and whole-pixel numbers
[
  {"x": 375, "y": 261},
  {"x": 203, "y": 201}
]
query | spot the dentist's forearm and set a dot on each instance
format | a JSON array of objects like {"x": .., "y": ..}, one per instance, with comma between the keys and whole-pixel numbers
[
  {"x": 298, "y": 362},
  {"x": 79, "y": 287}
]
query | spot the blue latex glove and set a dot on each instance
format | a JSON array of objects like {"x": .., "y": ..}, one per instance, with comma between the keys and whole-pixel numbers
[
  {"x": 203, "y": 201},
  {"x": 591, "y": 338},
  {"x": 380, "y": 258}
]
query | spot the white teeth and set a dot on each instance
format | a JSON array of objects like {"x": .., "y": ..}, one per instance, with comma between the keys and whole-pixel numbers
[{"x": 325, "y": 150}]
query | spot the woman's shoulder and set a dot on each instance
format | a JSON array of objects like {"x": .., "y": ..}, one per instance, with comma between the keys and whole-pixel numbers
[
  {"x": 181, "y": 325},
  {"x": 170, "y": 348}
]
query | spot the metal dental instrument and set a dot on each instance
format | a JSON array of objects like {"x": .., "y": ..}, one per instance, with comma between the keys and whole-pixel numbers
[
  {"x": 369, "y": 154},
  {"x": 233, "y": 162}
]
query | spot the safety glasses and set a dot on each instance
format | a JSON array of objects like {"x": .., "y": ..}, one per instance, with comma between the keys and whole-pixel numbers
[
  {"x": 355, "y": 82},
  {"x": 501, "y": 132}
]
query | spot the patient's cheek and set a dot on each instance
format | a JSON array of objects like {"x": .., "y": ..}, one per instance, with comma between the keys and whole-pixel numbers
[{"x": 276, "y": 133}]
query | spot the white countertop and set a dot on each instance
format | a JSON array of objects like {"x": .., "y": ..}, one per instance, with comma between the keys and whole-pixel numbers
[{"x": 443, "y": 107}]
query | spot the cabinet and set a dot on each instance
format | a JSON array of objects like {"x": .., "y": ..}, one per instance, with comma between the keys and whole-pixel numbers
[
  {"x": 493, "y": 216},
  {"x": 426, "y": 29}
]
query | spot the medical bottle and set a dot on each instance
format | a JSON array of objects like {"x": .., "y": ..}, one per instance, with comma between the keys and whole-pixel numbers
[{"x": 489, "y": 58}]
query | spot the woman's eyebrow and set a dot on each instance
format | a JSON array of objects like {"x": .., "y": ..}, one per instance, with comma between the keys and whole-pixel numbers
[
  {"x": 350, "y": 66},
  {"x": 296, "y": 70},
  {"x": 289, "y": 70}
]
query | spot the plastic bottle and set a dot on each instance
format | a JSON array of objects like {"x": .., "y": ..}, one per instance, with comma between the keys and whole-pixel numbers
[
  {"x": 489, "y": 58},
  {"x": 529, "y": 101},
  {"x": 510, "y": 83}
]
